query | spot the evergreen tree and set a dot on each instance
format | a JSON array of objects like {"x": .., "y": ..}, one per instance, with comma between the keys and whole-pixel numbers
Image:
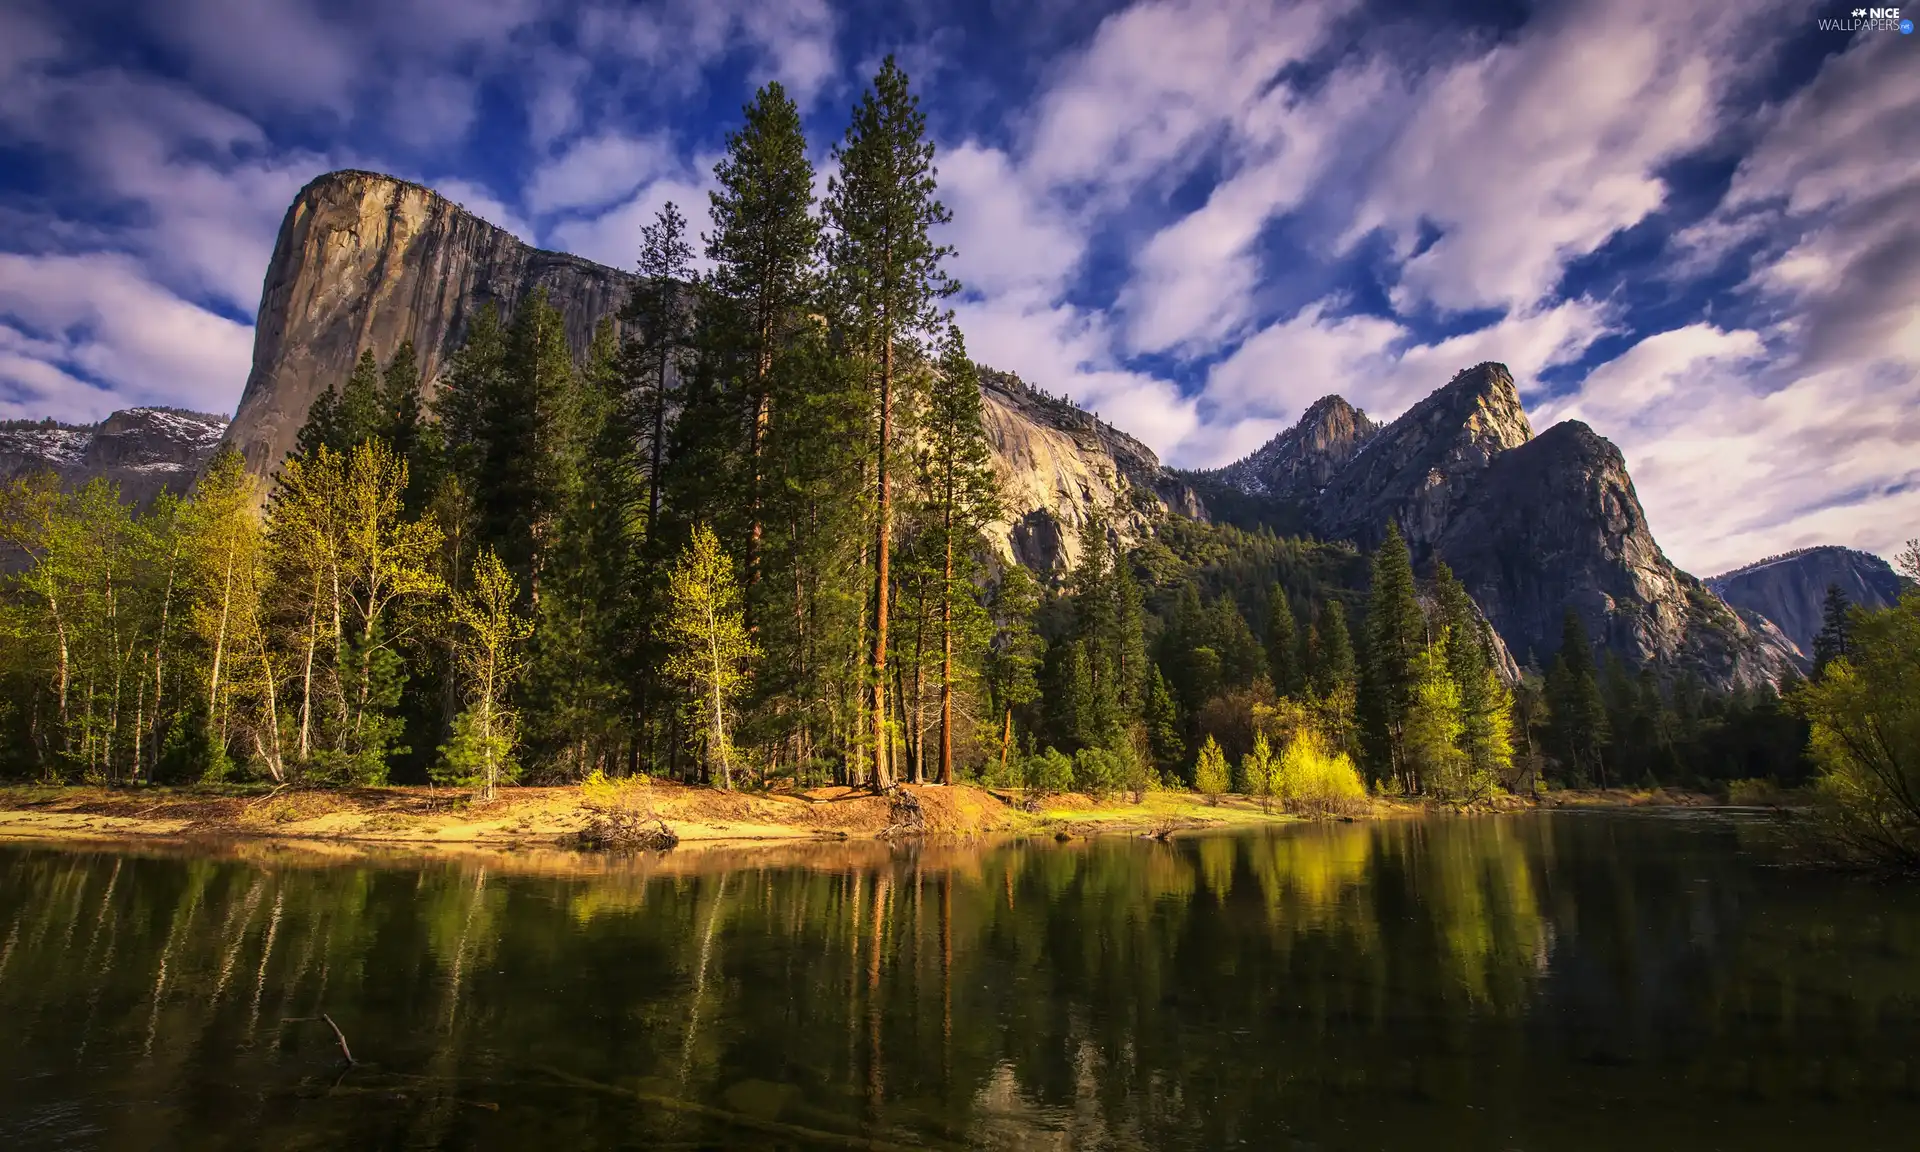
[
  {"x": 400, "y": 416},
  {"x": 657, "y": 314},
  {"x": 1396, "y": 633},
  {"x": 1333, "y": 665},
  {"x": 886, "y": 283},
  {"x": 1486, "y": 706},
  {"x": 1577, "y": 707},
  {"x": 1164, "y": 741},
  {"x": 1283, "y": 644},
  {"x": 762, "y": 247},
  {"x": 1016, "y": 651},
  {"x": 1836, "y": 631},
  {"x": 1435, "y": 723}
]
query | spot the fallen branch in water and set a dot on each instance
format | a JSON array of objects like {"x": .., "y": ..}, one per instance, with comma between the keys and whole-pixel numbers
[
  {"x": 342, "y": 1037},
  {"x": 814, "y": 1136}
]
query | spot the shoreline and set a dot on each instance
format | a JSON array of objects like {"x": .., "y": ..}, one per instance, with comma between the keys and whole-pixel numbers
[{"x": 435, "y": 822}]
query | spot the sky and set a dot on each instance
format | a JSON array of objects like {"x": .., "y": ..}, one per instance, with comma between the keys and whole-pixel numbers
[{"x": 1695, "y": 227}]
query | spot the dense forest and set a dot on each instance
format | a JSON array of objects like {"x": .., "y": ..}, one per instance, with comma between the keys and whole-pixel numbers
[{"x": 742, "y": 542}]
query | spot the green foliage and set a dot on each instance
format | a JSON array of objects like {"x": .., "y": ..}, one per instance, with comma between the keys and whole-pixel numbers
[
  {"x": 1257, "y": 770},
  {"x": 1836, "y": 631},
  {"x": 1865, "y": 713},
  {"x": 1580, "y": 729},
  {"x": 708, "y": 647},
  {"x": 1050, "y": 771},
  {"x": 1283, "y": 644},
  {"x": 1098, "y": 772},
  {"x": 1313, "y": 780},
  {"x": 1210, "y": 772},
  {"x": 1396, "y": 633}
]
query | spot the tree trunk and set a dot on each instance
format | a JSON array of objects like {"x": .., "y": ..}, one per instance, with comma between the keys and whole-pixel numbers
[
  {"x": 882, "y": 549},
  {"x": 946, "y": 659},
  {"x": 220, "y": 642},
  {"x": 1006, "y": 742},
  {"x": 657, "y": 446}
]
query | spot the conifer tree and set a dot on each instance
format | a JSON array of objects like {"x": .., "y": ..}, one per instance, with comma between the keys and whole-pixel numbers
[
  {"x": 1396, "y": 632},
  {"x": 1577, "y": 709},
  {"x": 1435, "y": 723},
  {"x": 1162, "y": 717},
  {"x": 658, "y": 316},
  {"x": 1486, "y": 705},
  {"x": 886, "y": 282},
  {"x": 763, "y": 247},
  {"x": 1333, "y": 668},
  {"x": 1283, "y": 644},
  {"x": 400, "y": 416},
  {"x": 1015, "y": 654},
  {"x": 1836, "y": 631}
]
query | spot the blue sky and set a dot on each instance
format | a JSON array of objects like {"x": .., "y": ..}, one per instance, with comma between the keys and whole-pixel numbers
[{"x": 1692, "y": 226}]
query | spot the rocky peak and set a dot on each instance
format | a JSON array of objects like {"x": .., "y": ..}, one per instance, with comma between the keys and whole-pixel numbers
[
  {"x": 1416, "y": 469},
  {"x": 1554, "y": 524},
  {"x": 1298, "y": 463},
  {"x": 1790, "y": 590},
  {"x": 144, "y": 451}
]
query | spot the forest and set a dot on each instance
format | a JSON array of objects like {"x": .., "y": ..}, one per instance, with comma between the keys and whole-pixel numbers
[{"x": 741, "y": 543}]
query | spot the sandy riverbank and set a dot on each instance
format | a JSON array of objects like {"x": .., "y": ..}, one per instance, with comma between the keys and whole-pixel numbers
[{"x": 432, "y": 820}]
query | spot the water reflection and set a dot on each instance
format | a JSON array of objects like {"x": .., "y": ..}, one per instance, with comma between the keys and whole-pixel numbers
[{"x": 1567, "y": 981}]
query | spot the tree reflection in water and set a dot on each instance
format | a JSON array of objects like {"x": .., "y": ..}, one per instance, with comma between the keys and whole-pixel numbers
[{"x": 1568, "y": 981}]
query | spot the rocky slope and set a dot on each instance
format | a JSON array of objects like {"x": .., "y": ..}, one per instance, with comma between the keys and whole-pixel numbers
[
  {"x": 1300, "y": 462},
  {"x": 1531, "y": 525},
  {"x": 1790, "y": 590},
  {"x": 145, "y": 451},
  {"x": 368, "y": 261}
]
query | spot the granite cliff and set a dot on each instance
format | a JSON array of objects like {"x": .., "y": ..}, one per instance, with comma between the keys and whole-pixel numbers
[
  {"x": 144, "y": 451},
  {"x": 1790, "y": 590},
  {"x": 365, "y": 261},
  {"x": 1531, "y": 525}
]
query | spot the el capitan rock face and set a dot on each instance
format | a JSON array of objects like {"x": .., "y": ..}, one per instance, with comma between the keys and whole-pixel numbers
[
  {"x": 1530, "y": 525},
  {"x": 366, "y": 261},
  {"x": 1790, "y": 590},
  {"x": 144, "y": 451}
]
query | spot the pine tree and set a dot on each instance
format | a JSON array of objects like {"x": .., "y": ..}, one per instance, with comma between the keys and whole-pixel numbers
[
  {"x": 762, "y": 247},
  {"x": 1016, "y": 651},
  {"x": 1486, "y": 706},
  {"x": 1435, "y": 723},
  {"x": 400, "y": 417},
  {"x": 1162, "y": 718},
  {"x": 887, "y": 282},
  {"x": 1396, "y": 633},
  {"x": 1576, "y": 705},
  {"x": 1836, "y": 631},
  {"x": 658, "y": 316},
  {"x": 709, "y": 648},
  {"x": 1283, "y": 644},
  {"x": 1333, "y": 667}
]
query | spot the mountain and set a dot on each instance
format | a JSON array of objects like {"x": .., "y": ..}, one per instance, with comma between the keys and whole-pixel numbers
[
  {"x": 1297, "y": 464},
  {"x": 143, "y": 450},
  {"x": 1791, "y": 589},
  {"x": 1531, "y": 525},
  {"x": 366, "y": 261}
]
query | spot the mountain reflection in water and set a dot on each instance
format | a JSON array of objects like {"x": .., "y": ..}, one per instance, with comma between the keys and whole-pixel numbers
[{"x": 1566, "y": 981}]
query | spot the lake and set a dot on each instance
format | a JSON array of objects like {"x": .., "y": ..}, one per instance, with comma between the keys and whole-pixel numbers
[{"x": 1541, "y": 981}]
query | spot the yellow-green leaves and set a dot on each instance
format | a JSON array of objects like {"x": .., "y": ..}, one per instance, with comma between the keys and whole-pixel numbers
[{"x": 708, "y": 644}]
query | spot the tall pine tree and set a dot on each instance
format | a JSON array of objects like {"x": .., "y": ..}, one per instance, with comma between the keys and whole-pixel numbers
[{"x": 1396, "y": 633}]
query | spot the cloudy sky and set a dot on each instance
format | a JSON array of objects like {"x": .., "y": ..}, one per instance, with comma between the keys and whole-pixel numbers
[{"x": 1695, "y": 227}]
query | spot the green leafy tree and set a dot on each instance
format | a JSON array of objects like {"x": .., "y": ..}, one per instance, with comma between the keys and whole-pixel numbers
[
  {"x": 886, "y": 284},
  {"x": 1210, "y": 772},
  {"x": 1256, "y": 771},
  {"x": 709, "y": 649},
  {"x": 480, "y": 754}
]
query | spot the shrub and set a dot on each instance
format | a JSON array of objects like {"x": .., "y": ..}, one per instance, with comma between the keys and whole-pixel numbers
[
  {"x": 1051, "y": 771},
  {"x": 1097, "y": 772},
  {"x": 1315, "y": 781}
]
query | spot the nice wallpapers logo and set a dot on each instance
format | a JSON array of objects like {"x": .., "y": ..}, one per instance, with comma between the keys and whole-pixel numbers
[{"x": 1871, "y": 20}]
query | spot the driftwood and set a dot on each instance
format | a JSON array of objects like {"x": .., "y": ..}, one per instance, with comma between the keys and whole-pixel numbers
[
  {"x": 615, "y": 830},
  {"x": 342, "y": 1037},
  {"x": 907, "y": 817},
  {"x": 818, "y": 1137}
]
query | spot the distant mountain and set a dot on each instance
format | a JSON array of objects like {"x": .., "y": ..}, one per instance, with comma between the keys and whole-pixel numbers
[
  {"x": 143, "y": 450},
  {"x": 1530, "y": 525},
  {"x": 1791, "y": 589}
]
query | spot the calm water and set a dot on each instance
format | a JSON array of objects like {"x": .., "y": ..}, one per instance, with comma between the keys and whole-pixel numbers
[{"x": 1536, "y": 982}]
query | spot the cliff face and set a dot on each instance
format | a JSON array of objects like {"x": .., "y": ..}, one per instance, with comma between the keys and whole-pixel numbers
[
  {"x": 1791, "y": 590},
  {"x": 365, "y": 261},
  {"x": 145, "y": 451},
  {"x": 1532, "y": 526}
]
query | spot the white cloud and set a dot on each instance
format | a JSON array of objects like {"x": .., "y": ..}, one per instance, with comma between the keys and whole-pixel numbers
[
  {"x": 1537, "y": 151},
  {"x": 599, "y": 170},
  {"x": 1004, "y": 235},
  {"x": 613, "y": 236},
  {"x": 97, "y": 315}
]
